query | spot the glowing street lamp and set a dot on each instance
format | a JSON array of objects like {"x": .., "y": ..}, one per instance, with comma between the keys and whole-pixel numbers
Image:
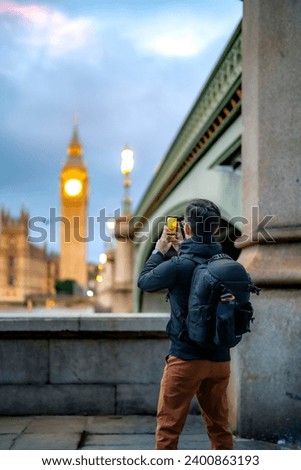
[
  {"x": 111, "y": 225},
  {"x": 102, "y": 258},
  {"x": 127, "y": 165}
]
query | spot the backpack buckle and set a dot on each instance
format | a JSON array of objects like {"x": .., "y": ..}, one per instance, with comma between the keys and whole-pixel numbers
[
  {"x": 254, "y": 289},
  {"x": 227, "y": 297}
]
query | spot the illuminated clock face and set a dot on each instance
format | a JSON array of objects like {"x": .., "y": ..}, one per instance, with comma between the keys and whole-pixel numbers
[{"x": 73, "y": 187}]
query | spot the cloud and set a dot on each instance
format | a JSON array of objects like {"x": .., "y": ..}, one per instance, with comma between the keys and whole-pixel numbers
[
  {"x": 118, "y": 68},
  {"x": 32, "y": 13},
  {"x": 178, "y": 35},
  {"x": 49, "y": 29}
]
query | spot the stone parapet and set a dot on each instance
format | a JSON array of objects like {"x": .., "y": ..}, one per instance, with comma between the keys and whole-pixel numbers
[
  {"x": 150, "y": 323},
  {"x": 72, "y": 363}
]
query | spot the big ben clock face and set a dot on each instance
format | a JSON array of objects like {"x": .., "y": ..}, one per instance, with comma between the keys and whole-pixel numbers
[{"x": 73, "y": 187}]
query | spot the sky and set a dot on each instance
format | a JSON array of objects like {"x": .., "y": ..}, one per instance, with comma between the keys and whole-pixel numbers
[{"x": 130, "y": 69}]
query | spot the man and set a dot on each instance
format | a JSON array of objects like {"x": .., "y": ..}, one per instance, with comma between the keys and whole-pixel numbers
[{"x": 190, "y": 369}]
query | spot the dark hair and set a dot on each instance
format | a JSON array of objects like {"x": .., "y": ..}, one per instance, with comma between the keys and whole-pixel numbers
[{"x": 203, "y": 217}]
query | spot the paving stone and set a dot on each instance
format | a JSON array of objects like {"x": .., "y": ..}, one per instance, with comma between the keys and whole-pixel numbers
[
  {"x": 120, "y": 441},
  {"x": 194, "y": 442},
  {"x": 137, "y": 424},
  {"x": 52, "y": 441},
  {"x": 6, "y": 441},
  {"x": 121, "y": 424},
  {"x": 143, "y": 442},
  {"x": 250, "y": 444},
  {"x": 14, "y": 424},
  {"x": 56, "y": 424},
  {"x": 122, "y": 446},
  {"x": 105, "y": 433},
  {"x": 194, "y": 425}
]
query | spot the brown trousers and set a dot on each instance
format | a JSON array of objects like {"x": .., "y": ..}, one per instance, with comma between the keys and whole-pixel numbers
[{"x": 180, "y": 382}]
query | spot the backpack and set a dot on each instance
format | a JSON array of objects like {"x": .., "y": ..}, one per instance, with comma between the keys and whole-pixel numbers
[{"x": 219, "y": 309}]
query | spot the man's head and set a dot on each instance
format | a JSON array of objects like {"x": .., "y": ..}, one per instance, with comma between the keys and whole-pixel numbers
[{"x": 202, "y": 219}]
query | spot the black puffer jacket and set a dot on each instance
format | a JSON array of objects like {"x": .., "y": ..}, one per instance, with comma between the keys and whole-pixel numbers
[{"x": 175, "y": 275}]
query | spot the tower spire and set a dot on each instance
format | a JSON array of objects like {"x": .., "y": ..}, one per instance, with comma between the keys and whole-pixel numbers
[
  {"x": 75, "y": 119},
  {"x": 75, "y": 148}
]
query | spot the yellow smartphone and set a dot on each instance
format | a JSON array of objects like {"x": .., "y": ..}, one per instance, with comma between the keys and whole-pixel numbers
[{"x": 171, "y": 223}]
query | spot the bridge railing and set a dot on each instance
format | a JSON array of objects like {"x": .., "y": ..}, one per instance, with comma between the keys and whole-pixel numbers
[{"x": 81, "y": 363}]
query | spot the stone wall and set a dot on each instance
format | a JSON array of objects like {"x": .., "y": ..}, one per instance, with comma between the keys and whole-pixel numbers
[
  {"x": 269, "y": 401},
  {"x": 61, "y": 364}
]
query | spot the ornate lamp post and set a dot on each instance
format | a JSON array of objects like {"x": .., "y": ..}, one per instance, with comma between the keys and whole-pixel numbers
[
  {"x": 123, "y": 259},
  {"x": 115, "y": 293},
  {"x": 126, "y": 166}
]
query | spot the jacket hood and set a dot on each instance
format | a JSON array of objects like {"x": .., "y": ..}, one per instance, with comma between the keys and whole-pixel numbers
[{"x": 194, "y": 246}]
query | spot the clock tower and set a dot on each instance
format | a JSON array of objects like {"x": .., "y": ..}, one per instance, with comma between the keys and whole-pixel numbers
[{"x": 74, "y": 199}]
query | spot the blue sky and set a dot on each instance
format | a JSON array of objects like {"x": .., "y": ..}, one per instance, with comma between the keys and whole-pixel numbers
[{"x": 130, "y": 69}]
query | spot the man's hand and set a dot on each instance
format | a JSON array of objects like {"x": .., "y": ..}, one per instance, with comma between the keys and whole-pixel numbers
[
  {"x": 164, "y": 242},
  {"x": 177, "y": 240},
  {"x": 169, "y": 239}
]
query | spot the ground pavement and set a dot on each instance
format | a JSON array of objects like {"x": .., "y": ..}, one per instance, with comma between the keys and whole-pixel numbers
[{"x": 105, "y": 432}]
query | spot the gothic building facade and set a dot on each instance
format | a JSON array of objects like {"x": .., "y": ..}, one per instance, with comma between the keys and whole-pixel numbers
[{"x": 26, "y": 270}]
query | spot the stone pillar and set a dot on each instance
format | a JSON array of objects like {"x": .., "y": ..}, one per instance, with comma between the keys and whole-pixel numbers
[
  {"x": 268, "y": 361},
  {"x": 123, "y": 277}
]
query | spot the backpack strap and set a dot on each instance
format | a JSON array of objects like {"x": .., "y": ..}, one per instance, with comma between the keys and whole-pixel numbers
[
  {"x": 203, "y": 261},
  {"x": 194, "y": 258},
  {"x": 220, "y": 289},
  {"x": 199, "y": 260}
]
